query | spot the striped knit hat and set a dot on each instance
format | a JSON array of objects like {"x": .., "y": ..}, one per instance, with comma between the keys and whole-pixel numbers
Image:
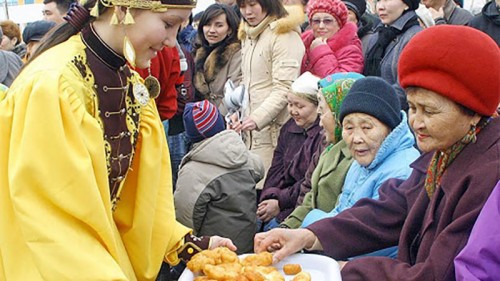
[{"x": 202, "y": 120}]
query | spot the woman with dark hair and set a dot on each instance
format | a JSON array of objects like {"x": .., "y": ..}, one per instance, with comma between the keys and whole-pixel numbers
[
  {"x": 85, "y": 175},
  {"x": 399, "y": 23},
  {"x": 217, "y": 53},
  {"x": 272, "y": 51}
]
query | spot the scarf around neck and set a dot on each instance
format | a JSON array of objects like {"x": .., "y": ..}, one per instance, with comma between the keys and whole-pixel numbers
[
  {"x": 386, "y": 34},
  {"x": 443, "y": 158},
  {"x": 254, "y": 31}
]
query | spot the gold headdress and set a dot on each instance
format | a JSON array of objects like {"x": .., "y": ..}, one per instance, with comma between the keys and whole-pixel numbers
[
  {"x": 155, "y": 6},
  {"x": 159, "y": 6}
]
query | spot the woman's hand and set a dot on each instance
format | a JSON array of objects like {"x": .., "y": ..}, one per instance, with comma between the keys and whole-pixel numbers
[
  {"x": 317, "y": 42},
  {"x": 283, "y": 242},
  {"x": 268, "y": 209},
  {"x": 217, "y": 241},
  {"x": 246, "y": 125}
]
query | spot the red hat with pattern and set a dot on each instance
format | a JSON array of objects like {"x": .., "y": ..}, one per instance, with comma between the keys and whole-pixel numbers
[
  {"x": 336, "y": 8},
  {"x": 458, "y": 62}
]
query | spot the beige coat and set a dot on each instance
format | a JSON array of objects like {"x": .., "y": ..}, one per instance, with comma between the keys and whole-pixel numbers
[{"x": 271, "y": 57}]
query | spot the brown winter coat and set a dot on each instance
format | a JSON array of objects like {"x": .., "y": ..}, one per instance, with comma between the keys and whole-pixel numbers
[{"x": 213, "y": 69}]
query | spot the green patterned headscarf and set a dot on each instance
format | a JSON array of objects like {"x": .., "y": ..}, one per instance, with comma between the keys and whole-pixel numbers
[{"x": 336, "y": 88}]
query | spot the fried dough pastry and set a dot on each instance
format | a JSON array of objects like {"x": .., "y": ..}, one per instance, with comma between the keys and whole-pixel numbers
[
  {"x": 302, "y": 276},
  {"x": 292, "y": 268},
  {"x": 251, "y": 274},
  {"x": 222, "y": 264},
  {"x": 203, "y": 278},
  {"x": 262, "y": 273},
  {"x": 211, "y": 257},
  {"x": 260, "y": 259},
  {"x": 223, "y": 272}
]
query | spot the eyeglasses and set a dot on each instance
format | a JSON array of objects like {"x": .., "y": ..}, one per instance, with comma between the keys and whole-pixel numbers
[{"x": 326, "y": 22}]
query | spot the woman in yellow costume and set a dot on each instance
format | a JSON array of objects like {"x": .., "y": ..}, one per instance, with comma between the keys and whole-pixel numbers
[{"x": 85, "y": 181}]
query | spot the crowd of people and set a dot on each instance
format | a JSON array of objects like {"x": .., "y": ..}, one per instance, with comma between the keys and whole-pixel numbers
[{"x": 136, "y": 134}]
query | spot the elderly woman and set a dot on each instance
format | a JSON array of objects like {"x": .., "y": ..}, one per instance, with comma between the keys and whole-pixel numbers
[
  {"x": 217, "y": 53},
  {"x": 332, "y": 45},
  {"x": 323, "y": 184},
  {"x": 299, "y": 138},
  {"x": 271, "y": 54},
  {"x": 399, "y": 23},
  {"x": 452, "y": 97},
  {"x": 379, "y": 139}
]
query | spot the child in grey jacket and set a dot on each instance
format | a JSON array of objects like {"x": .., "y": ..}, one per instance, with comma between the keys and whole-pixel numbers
[{"x": 215, "y": 192}]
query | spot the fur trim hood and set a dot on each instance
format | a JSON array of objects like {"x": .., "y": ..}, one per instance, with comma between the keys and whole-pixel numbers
[
  {"x": 292, "y": 22},
  {"x": 209, "y": 65}
]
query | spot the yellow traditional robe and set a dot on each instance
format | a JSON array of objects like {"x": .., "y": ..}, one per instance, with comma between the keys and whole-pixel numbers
[{"x": 56, "y": 221}]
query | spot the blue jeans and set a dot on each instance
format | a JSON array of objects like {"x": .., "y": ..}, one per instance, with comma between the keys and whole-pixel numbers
[
  {"x": 165, "y": 127},
  {"x": 266, "y": 226},
  {"x": 391, "y": 252},
  {"x": 179, "y": 146}
]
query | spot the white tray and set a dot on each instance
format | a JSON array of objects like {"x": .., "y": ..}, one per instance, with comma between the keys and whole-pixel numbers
[{"x": 321, "y": 268}]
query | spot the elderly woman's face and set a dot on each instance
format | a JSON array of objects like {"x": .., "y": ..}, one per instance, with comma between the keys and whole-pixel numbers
[
  {"x": 324, "y": 25},
  {"x": 364, "y": 135},
  {"x": 302, "y": 111},
  {"x": 326, "y": 119},
  {"x": 436, "y": 121}
]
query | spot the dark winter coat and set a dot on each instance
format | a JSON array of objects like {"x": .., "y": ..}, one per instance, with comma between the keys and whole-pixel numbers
[
  {"x": 291, "y": 159},
  {"x": 429, "y": 233},
  {"x": 488, "y": 21}
]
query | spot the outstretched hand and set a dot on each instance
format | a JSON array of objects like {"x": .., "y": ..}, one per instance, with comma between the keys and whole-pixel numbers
[
  {"x": 217, "y": 241},
  {"x": 283, "y": 242},
  {"x": 246, "y": 125}
]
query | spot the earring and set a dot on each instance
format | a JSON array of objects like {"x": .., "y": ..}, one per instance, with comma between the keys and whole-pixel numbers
[
  {"x": 128, "y": 17},
  {"x": 152, "y": 84},
  {"x": 114, "y": 19},
  {"x": 95, "y": 10},
  {"x": 128, "y": 51},
  {"x": 471, "y": 135}
]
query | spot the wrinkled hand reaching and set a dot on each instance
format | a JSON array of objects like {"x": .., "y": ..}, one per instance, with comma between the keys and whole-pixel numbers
[
  {"x": 283, "y": 242},
  {"x": 268, "y": 209}
]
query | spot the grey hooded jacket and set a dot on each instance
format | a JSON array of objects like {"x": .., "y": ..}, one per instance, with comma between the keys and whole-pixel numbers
[{"x": 215, "y": 193}]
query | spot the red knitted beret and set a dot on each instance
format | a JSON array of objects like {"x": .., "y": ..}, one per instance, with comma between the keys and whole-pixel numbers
[
  {"x": 336, "y": 8},
  {"x": 458, "y": 62}
]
